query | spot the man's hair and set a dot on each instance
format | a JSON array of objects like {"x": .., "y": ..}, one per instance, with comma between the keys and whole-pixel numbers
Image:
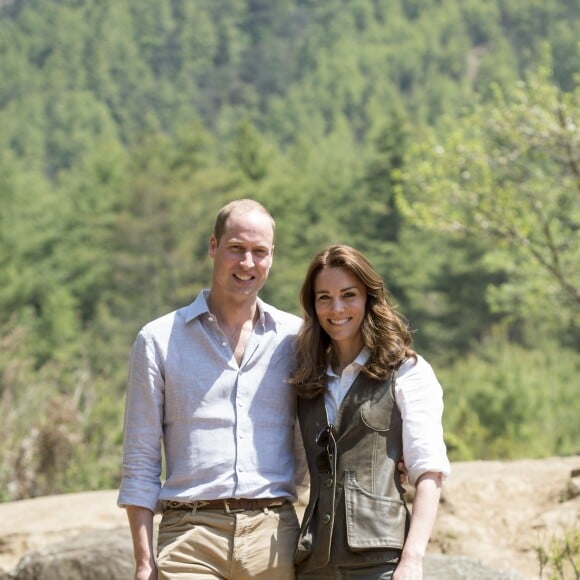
[{"x": 238, "y": 205}]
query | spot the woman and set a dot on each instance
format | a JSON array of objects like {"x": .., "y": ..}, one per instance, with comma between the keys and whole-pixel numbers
[{"x": 365, "y": 399}]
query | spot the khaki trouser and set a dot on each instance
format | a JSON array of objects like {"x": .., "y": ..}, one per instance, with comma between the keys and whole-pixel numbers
[{"x": 257, "y": 544}]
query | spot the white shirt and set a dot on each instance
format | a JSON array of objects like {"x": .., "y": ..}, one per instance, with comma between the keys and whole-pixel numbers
[{"x": 419, "y": 397}]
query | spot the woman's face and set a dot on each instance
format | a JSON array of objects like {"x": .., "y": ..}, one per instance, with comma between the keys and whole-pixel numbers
[{"x": 340, "y": 302}]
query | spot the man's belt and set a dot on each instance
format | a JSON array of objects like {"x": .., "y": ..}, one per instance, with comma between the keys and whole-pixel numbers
[{"x": 230, "y": 505}]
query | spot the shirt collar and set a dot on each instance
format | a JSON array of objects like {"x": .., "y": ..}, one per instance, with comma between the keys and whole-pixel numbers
[
  {"x": 356, "y": 364},
  {"x": 199, "y": 307}
]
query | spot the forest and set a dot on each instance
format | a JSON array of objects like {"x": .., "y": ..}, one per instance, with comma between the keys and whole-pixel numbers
[{"x": 440, "y": 137}]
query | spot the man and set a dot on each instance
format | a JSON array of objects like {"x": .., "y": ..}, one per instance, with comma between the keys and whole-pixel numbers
[{"x": 208, "y": 383}]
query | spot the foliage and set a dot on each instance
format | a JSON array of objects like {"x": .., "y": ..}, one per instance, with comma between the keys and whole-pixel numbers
[
  {"x": 510, "y": 172},
  {"x": 562, "y": 558},
  {"x": 496, "y": 408},
  {"x": 126, "y": 125}
]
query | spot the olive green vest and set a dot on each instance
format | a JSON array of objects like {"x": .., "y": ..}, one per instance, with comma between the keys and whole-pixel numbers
[{"x": 357, "y": 516}]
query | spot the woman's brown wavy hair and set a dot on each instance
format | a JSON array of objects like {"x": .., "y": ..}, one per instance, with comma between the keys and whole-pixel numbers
[{"x": 384, "y": 331}]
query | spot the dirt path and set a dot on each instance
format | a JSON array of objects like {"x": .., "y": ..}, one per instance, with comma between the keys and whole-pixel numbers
[{"x": 497, "y": 512}]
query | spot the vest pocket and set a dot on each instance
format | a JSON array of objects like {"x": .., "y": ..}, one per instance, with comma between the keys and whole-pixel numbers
[
  {"x": 372, "y": 521},
  {"x": 376, "y": 416}
]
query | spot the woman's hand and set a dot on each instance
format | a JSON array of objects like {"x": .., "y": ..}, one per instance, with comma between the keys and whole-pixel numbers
[{"x": 409, "y": 569}]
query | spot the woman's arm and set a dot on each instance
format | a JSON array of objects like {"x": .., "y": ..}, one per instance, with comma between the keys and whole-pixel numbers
[{"x": 425, "y": 504}]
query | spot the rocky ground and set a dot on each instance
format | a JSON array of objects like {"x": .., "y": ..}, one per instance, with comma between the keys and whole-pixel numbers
[
  {"x": 499, "y": 512},
  {"x": 495, "y": 512}
]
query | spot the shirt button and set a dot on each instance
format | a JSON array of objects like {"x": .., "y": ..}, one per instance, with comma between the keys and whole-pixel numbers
[
  {"x": 224, "y": 343},
  {"x": 211, "y": 319},
  {"x": 326, "y": 519}
]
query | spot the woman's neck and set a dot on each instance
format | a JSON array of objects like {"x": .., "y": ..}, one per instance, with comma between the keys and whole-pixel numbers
[{"x": 343, "y": 355}]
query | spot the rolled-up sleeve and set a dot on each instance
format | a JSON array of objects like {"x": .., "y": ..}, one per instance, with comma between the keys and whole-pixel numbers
[
  {"x": 420, "y": 399},
  {"x": 143, "y": 427}
]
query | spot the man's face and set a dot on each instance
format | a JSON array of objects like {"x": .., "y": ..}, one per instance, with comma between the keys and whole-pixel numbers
[{"x": 243, "y": 256}]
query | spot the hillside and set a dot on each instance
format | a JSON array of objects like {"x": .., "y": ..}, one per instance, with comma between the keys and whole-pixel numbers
[
  {"x": 439, "y": 138},
  {"x": 494, "y": 511}
]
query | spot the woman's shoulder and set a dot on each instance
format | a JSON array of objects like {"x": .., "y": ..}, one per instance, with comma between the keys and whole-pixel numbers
[
  {"x": 415, "y": 365},
  {"x": 416, "y": 374}
]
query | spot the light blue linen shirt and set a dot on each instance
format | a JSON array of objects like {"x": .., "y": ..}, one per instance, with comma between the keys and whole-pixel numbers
[{"x": 227, "y": 430}]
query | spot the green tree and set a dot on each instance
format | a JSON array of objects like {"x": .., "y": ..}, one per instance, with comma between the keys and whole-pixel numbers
[
  {"x": 126, "y": 124},
  {"x": 505, "y": 401},
  {"x": 509, "y": 172},
  {"x": 250, "y": 152}
]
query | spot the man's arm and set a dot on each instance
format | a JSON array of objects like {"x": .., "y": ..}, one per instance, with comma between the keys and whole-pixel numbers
[
  {"x": 141, "y": 524},
  {"x": 302, "y": 477}
]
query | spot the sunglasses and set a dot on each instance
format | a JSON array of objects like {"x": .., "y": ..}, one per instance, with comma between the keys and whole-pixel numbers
[{"x": 325, "y": 460}]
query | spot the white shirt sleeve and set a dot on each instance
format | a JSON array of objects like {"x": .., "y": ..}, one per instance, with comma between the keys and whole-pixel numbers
[{"x": 420, "y": 399}]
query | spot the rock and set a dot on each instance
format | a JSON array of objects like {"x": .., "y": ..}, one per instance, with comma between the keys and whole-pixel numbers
[
  {"x": 108, "y": 555},
  {"x": 442, "y": 567},
  {"x": 573, "y": 487},
  {"x": 95, "y": 555},
  {"x": 493, "y": 515}
]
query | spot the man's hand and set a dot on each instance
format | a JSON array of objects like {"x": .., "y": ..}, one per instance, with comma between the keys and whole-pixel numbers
[
  {"x": 403, "y": 473},
  {"x": 146, "y": 571}
]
